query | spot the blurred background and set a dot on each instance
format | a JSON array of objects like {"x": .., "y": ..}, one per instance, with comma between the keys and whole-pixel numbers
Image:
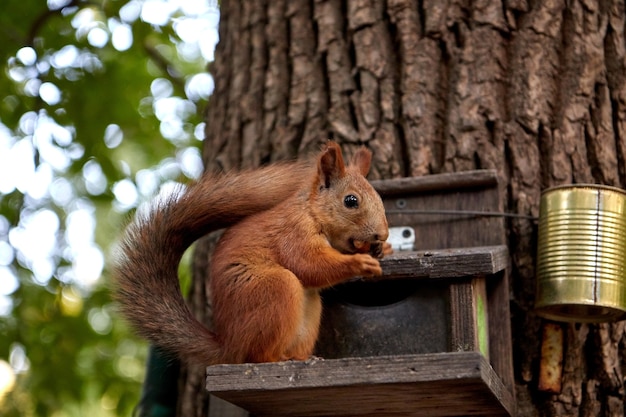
[{"x": 100, "y": 109}]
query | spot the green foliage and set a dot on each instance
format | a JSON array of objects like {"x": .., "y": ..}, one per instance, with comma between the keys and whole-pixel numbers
[{"x": 91, "y": 117}]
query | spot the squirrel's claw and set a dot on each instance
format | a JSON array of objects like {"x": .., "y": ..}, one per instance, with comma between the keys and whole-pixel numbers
[{"x": 380, "y": 249}]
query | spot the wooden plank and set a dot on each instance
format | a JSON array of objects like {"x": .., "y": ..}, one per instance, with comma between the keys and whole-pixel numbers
[
  {"x": 445, "y": 263},
  {"x": 438, "y": 182},
  {"x": 441, "y": 384},
  {"x": 463, "y": 326},
  {"x": 500, "y": 338},
  {"x": 468, "y": 316},
  {"x": 407, "y": 199},
  {"x": 442, "y": 231}
]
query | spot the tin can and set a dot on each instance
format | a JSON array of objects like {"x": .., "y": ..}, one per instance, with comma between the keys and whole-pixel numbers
[{"x": 581, "y": 259}]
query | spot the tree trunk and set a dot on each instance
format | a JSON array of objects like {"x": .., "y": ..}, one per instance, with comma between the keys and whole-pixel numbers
[{"x": 535, "y": 90}]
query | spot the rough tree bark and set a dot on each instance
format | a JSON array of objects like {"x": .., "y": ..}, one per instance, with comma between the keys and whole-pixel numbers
[{"x": 533, "y": 89}]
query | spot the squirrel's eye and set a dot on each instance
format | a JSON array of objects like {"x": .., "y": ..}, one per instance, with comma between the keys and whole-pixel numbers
[{"x": 351, "y": 201}]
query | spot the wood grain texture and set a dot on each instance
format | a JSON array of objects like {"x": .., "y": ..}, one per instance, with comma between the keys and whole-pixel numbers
[
  {"x": 469, "y": 316},
  {"x": 410, "y": 385},
  {"x": 407, "y": 201},
  {"x": 483, "y": 178},
  {"x": 445, "y": 263},
  {"x": 500, "y": 337}
]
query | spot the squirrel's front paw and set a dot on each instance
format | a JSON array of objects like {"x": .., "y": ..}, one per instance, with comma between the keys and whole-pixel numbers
[
  {"x": 367, "y": 265},
  {"x": 380, "y": 249}
]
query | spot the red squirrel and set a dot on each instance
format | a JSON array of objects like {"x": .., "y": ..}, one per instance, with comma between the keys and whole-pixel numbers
[{"x": 293, "y": 229}]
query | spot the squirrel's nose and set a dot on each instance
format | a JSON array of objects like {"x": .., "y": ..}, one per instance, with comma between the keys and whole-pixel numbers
[{"x": 382, "y": 235}]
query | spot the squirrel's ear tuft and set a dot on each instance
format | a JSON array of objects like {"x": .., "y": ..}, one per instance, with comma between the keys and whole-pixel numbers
[
  {"x": 362, "y": 159},
  {"x": 330, "y": 164}
]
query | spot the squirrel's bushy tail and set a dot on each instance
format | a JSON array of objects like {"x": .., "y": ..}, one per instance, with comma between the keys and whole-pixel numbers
[{"x": 146, "y": 272}]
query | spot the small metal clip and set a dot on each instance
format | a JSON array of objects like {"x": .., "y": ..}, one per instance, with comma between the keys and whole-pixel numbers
[{"x": 401, "y": 238}]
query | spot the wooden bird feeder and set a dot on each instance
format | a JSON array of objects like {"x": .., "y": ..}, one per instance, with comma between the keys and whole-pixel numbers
[{"x": 430, "y": 337}]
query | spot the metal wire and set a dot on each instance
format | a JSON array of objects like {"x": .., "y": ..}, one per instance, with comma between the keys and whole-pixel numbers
[{"x": 467, "y": 212}]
